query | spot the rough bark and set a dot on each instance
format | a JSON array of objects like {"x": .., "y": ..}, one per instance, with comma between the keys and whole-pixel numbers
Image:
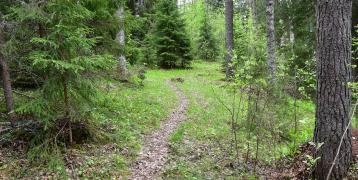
[
  {"x": 122, "y": 62},
  {"x": 5, "y": 74},
  {"x": 229, "y": 41},
  {"x": 333, "y": 96},
  {"x": 271, "y": 57}
]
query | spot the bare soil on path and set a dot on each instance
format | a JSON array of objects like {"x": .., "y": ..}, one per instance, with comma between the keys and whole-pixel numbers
[{"x": 152, "y": 157}]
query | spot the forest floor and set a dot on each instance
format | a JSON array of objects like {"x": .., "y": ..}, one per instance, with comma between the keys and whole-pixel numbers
[{"x": 174, "y": 127}]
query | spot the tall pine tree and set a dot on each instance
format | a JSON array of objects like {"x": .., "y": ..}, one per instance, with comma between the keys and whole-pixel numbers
[{"x": 172, "y": 44}]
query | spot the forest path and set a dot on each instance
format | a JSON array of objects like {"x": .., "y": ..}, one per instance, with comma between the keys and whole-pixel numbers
[{"x": 153, "y": 155}]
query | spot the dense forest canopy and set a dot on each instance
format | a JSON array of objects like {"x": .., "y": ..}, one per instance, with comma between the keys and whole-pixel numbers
[{"x": 178, "y": 89}]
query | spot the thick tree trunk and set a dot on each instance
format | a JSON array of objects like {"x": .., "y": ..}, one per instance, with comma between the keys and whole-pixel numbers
[
  {"x": 229, "y": 41},
  {"x": 333, "y": 95},
  {"x": 5, "y": 74},
  {"x": 122, "y": 62},
  {"x": 271, "y": 57}
]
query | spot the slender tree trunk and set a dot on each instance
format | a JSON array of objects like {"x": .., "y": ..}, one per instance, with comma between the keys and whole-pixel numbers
[
  {"x": 137, "y": 8},
  {"x": 271, "y": 57},
  {"x": 5, "y": 74},
  {"x": 254, "y": 11},
  {"x": 229, "y": 41},
  {"x": 333, "y": 95},
  {"x": 252, "y": 5},
  {"x": 67, "y": 106},
  {"x": 122, "y": 62},
  {"x": 139, "y": 5}
]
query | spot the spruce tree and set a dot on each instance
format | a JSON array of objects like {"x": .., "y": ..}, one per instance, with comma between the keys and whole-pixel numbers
[
  {"x": 172, "y": 44},
  {"x": 5, "y": 5},
  {"x": 66, "y": 55},
  {"x": 208, "y": 49}
]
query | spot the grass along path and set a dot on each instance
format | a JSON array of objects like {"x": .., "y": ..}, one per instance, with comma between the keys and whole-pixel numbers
[
  {"x": 153, "y": 154},
  {"x": 202, "y": 147},
  {"x": 135, "y": 119},
  {"x": 130, "y": 112}
]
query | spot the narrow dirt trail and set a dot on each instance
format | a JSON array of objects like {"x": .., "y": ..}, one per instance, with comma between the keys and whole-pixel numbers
[{"x": 156, "y": 146}]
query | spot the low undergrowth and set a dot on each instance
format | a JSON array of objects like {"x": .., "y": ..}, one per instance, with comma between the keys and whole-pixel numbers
[
  {"x": 125, "y": 113},
  {"x": 205, "y": 145}
]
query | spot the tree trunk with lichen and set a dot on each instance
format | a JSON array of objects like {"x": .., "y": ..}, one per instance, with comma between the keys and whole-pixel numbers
[
  {"x": 122, "y": 62},
  {"x": 271, "y": 56}
]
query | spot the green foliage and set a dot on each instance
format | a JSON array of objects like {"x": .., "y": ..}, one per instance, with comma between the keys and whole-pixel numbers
[
  {"x": 149, "y": 50},
  {"x": 172, "y": 44},
  {"x": 195, "y": 15},
  {"x": 216, "y": 4},
  {"x": 63, "y": 46},
  {"x": 207, "y": 134},
  {"x": 250, "y": 51},
  {"x": 123, "y": 113},
  {"x": 65, "y": 55},
  {"x": 103, "y": 24},
  {"x": 354, "y": 85},
  {"x": 134, "y": 30},
  {"x": 4, "y": 7},
  {"x": 177, "y": 136},
  {"x": 208, "y": 49},
  {"x": 140, "y": 44},
  {"x": 311, "y": 161},
  {"x": 296, "y": 31}
]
